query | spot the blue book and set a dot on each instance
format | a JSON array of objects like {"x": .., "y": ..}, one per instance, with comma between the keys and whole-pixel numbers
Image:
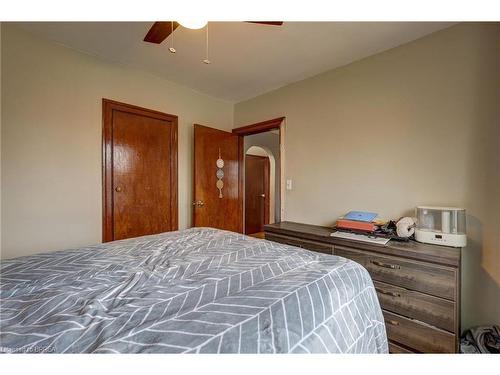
[{"x": 361, "y": 216}]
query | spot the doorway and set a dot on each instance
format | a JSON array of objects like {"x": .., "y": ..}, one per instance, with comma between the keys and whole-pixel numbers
[
  {"x": 262, "y": 174},
  {"x": 219, "y": 177}
]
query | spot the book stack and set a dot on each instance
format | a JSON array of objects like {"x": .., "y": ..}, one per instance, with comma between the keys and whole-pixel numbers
[{"x": 359, "y": 222}]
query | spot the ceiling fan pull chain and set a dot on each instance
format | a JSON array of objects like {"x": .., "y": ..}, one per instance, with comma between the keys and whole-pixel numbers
[
  {"x": 206, "y": 60},
  {"x": 171, "y": 48}
]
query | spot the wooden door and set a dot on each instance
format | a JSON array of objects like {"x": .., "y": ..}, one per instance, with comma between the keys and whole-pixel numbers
[
  {"x": 140, "y": 171},
  {"x": 257, "y": 170},
  {"x": 210, "y": 209}
]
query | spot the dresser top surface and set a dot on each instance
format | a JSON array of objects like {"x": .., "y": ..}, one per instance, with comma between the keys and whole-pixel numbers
[{"x": 449, "y": 256}]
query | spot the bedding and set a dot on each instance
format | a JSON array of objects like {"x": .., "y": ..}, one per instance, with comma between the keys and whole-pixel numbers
[{"x": 200, "y": 290}]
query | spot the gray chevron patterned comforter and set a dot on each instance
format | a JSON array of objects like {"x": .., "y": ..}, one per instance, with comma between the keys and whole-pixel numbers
[{"x": 200, "y": 290}]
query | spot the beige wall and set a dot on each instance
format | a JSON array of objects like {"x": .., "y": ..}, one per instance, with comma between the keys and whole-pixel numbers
[
  {"x": 418, "y": 124},
  {"x": 51, "y": 139}
]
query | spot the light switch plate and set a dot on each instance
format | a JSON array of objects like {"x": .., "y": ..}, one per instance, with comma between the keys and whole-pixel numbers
[{"x": 288, "y": 184}]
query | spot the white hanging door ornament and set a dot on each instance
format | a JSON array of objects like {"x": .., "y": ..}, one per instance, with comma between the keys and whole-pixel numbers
[
  {"x": 171, "y": 48},
  {"x": 206, "y": 60},
  {"x": 220, "y": 174}
]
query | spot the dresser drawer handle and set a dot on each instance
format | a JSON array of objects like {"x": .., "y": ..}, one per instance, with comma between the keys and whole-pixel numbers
[
  {"x": 392, "y": 322},
  {"x": 386, "y": 265},
  {"x": 382, "y": 291}
]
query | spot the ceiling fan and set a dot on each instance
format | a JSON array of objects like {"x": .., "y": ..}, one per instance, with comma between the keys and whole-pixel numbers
[{"x": 161, "y": 30}]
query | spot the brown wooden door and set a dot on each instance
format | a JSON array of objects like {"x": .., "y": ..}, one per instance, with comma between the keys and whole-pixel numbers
[
  {"x": 257, "y": 170},
  {"x": 209, "y": 209},
  {"x": 140, "y": 171}
]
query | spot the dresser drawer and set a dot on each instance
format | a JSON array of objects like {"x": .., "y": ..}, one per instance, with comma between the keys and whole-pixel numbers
[
  {"x": 432, "y": 310},
  {"x": 417, "y": 335},
  {"x": 305, "y": 244},
  {"x": 398, "y": 349},
  {"x": 424, "y": 277}
]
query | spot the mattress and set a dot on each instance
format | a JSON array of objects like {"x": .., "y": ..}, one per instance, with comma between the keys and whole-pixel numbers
[{"x": 200, "y": 290}]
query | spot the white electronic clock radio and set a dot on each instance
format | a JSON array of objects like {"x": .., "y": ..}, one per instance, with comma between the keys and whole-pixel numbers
[{"x": 441, "y": 226}]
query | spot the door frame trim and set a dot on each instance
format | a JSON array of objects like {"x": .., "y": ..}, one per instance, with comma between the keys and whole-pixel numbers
[
  {"x": 278, "y": 123},
  {"x": 259, "y": 127},
  {"x": 108, "y": 106}
]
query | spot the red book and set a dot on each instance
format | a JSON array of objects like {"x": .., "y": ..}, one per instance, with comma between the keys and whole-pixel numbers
[{"x": 356, "y": 225}]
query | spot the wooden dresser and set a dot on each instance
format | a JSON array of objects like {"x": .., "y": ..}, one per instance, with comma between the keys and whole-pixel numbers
[{"x": 418, "y": 285}]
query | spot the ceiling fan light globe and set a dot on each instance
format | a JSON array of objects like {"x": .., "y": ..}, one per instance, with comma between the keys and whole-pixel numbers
[{"x": 193, "y": 23}]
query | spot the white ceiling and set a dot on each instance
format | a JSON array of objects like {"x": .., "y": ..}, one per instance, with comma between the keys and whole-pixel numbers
[{"x": 247, "y": 59}]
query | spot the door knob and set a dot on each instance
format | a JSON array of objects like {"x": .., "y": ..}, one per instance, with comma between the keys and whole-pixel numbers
[
  {"x": 118, "y": 189},
  {"x": 263, "y": 195}
]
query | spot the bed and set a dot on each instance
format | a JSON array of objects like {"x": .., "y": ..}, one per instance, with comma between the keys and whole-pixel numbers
[{"x": 200, "y": 290}]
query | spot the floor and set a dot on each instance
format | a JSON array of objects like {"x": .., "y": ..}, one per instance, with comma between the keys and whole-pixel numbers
[{"x": 257, "y": 235}]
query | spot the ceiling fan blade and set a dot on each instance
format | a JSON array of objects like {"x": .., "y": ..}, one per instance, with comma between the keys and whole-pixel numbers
[
  {"x": 272, "y": 23},
  {"x": 160, "y": 31}
]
